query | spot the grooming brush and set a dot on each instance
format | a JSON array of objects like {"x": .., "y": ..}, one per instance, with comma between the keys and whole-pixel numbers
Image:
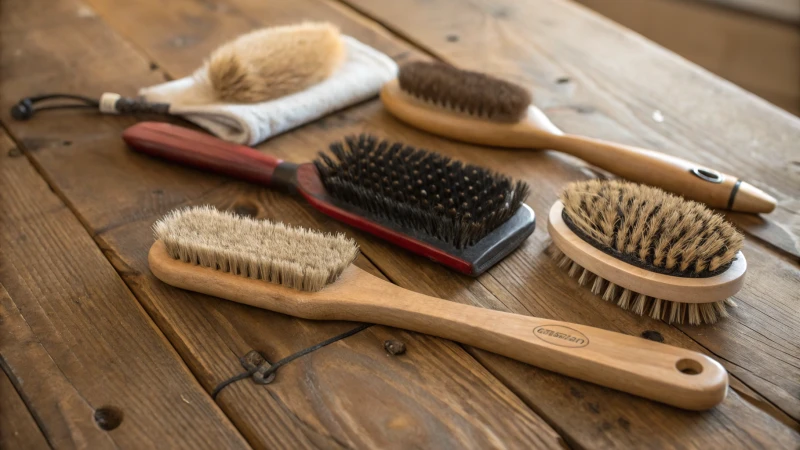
[
  {"x": 480, "y": 109},
  {"x": 274, "y": 62},
  {"x": 308, "y": 274},
  {"x": 459, "y": 215},
  {"x": 648, "y": 251},
  {"x": 256, "y": 67}
]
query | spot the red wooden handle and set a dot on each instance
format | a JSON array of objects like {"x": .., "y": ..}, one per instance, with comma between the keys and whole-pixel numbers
[{"x": 202, "y": 151}]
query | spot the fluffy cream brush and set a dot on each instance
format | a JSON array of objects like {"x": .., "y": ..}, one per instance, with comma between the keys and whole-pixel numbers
[{"x": 274, "y": 62}]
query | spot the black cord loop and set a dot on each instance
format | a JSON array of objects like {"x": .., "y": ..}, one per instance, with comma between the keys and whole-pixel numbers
[{"x": 263, "y": 372}]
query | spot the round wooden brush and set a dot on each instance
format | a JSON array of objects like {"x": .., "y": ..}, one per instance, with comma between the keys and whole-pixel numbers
[
  {"x": 274, "y": 62},
  {"x": 308, "y": 274},
  {"x": 480, "y": 109},
  {"x": 648, "y": 251}
]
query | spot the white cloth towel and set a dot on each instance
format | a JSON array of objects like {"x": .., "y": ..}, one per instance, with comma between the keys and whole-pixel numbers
[{"x": 360, "y": 77}]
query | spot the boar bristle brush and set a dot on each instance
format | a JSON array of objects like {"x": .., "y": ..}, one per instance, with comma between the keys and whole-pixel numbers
[
  {"x": 481, "y": 109},
  {"x": 274, "y": 62},
  {"x": 309, "y": 274},
  {"x": 460, "y": 215},
  {"x": 647, "y": 251}
]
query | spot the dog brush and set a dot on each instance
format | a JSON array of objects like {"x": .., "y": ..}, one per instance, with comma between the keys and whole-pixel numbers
[
  {"x": 648, "y": 251},
  {"x": 256, "y": 67},
  {"x": 480, "y": 109},
  {"x": 308, "y": 274},
  {"x": 274, "y": 62},
  {"x": 460, "y": 215}
]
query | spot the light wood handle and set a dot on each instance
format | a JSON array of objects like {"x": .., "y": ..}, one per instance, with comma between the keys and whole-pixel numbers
[
  {"x": 631, "y": 364},
  {"x": 667, "y": 172},
  {"x": 673, "y": 174}
]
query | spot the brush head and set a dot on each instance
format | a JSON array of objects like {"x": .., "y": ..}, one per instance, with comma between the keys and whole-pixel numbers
[
  {"x": 295, "y": 257},
  {"x": 455, "y": 203},
  {"x": 274, "y": 62},
  {"x": 661, "y": 255},
  {"x": 472, "y": 93},
  {"x": 650, "y": 228}
]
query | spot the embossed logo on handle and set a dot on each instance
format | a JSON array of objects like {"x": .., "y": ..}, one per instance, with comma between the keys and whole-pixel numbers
[{"x": 561, "y": 336}]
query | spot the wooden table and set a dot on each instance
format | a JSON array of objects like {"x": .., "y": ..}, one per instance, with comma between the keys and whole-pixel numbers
[{"x": 88, "y": 337}]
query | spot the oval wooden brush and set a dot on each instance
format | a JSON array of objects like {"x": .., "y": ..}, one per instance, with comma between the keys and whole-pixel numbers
[
  {"x": 274, "y": 62},
  {"x": 308, "y": 274},
  {"x": 480, "y": 109},
  {"x": 648, "y": 251}
]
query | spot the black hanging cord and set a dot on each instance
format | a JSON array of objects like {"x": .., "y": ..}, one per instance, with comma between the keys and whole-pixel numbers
[
  {"x": 25, "y": 108},
  {"x": 266, "y": 369},
  {"x": 109, "y": 103}
]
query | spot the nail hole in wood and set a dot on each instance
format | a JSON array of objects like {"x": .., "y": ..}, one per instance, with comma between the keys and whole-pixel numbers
[
  {"x": 66, "y": 143},
  {"x": 563, "y": 80},
  {"x": 689, "y": 367},
  {"x": 653, "y": 335},
  {"x": 394, "y": 347},
  {"x": 452, "y": 38},
  {"x": 108, "y": 417}
]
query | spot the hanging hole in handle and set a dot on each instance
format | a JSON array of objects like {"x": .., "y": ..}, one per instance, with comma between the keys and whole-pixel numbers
[
  {"x": 712, "y": 176},
  {"x": 689, "y": 367}
]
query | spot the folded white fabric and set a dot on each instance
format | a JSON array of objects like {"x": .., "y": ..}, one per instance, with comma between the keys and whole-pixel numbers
[{"x": 360, "y": 77}]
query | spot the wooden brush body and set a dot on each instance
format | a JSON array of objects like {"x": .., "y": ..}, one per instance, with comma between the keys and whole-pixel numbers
[
  {"x": 631, "y": 364},
  {"x": 535, "y": 130}
]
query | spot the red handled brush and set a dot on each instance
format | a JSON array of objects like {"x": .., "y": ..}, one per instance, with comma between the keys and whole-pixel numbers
[{"x": 463, "y": 216}]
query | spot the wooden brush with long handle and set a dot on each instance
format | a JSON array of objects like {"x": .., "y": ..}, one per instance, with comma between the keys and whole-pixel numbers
[
  {"x": 308, "y": 274},
  {"x": 480, "y": 109}
]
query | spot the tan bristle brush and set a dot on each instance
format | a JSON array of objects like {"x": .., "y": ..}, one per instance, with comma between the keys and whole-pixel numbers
[
  {"x": 648, "y": 251},
  {"x": 274, "y": 62},
  {"x": 480, "y": 109},
  {"x": 308, "y": 274}
]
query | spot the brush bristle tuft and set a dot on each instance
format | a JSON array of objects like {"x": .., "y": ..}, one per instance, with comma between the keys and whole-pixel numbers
[
  {"x": 639, "y": 303},
  {"x": 295, "y": 257},
  {"x": 274, "y": 62},
  {"x": 650, "y": 228},
  {"x": 423, "y": 191},
  {"x": 463, "y": 91}
]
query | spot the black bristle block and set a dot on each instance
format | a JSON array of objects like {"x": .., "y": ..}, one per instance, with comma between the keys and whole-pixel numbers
[{"x": 447, "y": 200}]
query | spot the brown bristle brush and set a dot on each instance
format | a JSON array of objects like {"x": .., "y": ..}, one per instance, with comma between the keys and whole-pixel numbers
[
  {"x": 648, "y": 251},
  {"x": 274, "y": 62},
  {"x": 308, "y": 274},
  {"x": 481, "y": 109}
]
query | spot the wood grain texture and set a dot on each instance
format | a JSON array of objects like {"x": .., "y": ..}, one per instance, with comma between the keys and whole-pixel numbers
[
  {"x": 757, "y": 53},
  {"x": 313, "y": 402},
  {"x": 18, "y": 429},
  {"x": 351, "y": 394},
  {"x": 608, "y": 86},
  {"x": 75, "y": 341}
]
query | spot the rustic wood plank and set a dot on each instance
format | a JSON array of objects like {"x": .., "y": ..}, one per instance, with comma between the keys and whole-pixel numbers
[
  {"x": 18, "y": 429},
  {"x": 615, "y": 80},
  {"x": 351, "y": 394},
  {"x": 757, "y": 53},
  {"x": 645, "y": 422},
  {"x": 75, "y": 341}
]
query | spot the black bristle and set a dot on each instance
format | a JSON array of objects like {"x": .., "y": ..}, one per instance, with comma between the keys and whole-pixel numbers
[{"x": 464, "y": 209}]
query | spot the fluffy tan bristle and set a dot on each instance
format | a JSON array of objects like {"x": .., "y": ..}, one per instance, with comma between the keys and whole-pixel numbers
[
  {"x": 641, "y": 304},
  {"x": 650, "y": 228},
  {"x": 274, "y": 62},
  {"x": 291, "y": 256},
  {"x": 463, "y": 91}
]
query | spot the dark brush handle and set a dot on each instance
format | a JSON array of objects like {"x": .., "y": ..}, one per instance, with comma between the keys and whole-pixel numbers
[{"x": 205, "y": 152}]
